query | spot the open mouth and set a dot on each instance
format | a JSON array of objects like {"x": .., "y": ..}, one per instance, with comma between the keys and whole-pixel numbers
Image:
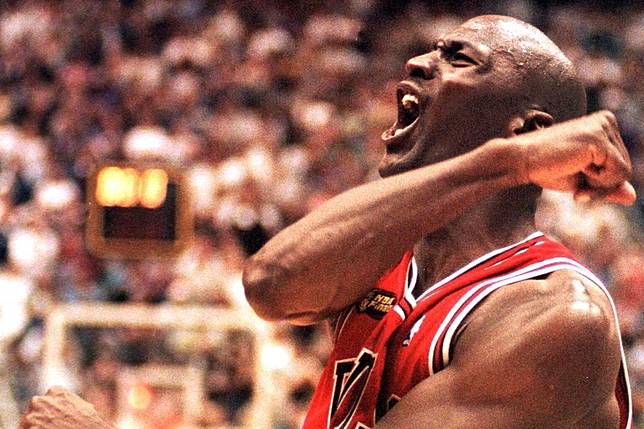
[{"x": 409, "y": 105}]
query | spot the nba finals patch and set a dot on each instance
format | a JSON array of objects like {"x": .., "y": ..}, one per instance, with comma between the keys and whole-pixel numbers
[{"x": 377, "y": 303}]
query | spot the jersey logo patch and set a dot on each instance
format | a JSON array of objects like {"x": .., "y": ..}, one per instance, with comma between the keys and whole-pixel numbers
[
  {"x": 377, "y": 303},
  {"x": 350, "y": 381}
]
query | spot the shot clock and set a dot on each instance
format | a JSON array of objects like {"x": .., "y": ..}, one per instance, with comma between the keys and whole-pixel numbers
[{"x": 137, "y": 211}]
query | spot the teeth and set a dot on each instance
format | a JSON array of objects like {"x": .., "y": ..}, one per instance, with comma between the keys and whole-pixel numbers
[
  {"x": 410, "y": 106},
  {"x": 408, "y": 99}
]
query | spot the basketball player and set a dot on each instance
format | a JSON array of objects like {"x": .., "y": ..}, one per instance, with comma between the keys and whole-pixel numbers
[{"x": 450, "y": 310}]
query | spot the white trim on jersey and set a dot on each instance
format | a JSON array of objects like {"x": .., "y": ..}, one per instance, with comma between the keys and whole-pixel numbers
[
  {"x": 496, "y": 264},
  {"x": 411, "y": 282},
  {"x": 531, "y": 271},
  {"x": 340, "y": 325},
  {"x": 399, "y": 311},
  {"x": 477, "y": 262}
]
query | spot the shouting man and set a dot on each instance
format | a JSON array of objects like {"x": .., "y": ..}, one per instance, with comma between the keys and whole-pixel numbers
[{"x": 450, "y": 310}]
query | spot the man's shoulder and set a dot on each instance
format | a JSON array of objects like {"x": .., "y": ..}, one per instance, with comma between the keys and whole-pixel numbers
[
  {"x": 563, "y": 311},
  {"x": 546, "y": 349},
  {"x": 557, "y": 291}
]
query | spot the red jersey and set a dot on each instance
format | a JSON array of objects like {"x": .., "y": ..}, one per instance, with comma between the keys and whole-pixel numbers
[{"x": 390, "y": 341}]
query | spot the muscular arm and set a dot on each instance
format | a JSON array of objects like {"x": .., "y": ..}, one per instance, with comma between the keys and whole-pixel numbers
[
  {"x": 540, "y": 354},
  {"x": 334, "y": 255}
]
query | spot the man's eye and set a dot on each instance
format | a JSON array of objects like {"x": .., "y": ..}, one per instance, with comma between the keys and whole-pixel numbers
[{"x": 459, "y": 59}]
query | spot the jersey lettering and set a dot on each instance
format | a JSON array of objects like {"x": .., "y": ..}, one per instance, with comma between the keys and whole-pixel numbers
[{"x": 350, "y": 380}]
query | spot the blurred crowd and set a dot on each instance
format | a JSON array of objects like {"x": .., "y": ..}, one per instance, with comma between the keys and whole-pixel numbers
[{"x": 270, "y": 108}]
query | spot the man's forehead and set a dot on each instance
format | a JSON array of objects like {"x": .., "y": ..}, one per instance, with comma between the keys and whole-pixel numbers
[{"x": 493, "y": 31}]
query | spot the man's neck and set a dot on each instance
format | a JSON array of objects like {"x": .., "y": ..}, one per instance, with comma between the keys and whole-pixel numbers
[{"x": 499, "y": 222}]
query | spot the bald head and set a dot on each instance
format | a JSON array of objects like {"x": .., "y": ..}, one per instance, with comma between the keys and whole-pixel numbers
[
  {"x": 491, "y": 77},
  {"x": 545, "y": 79}
]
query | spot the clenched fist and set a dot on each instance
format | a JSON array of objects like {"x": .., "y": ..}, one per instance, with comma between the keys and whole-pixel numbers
[
  {"x": 60, "y": 409},
  {"x": 585, "y": 156}
]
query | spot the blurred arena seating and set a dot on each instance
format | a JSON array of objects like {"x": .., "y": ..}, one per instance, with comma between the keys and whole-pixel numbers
[{"x": 269, "y": 108}]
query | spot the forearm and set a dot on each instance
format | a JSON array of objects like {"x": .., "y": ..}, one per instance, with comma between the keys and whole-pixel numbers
[{"x": 335, "y": 255}]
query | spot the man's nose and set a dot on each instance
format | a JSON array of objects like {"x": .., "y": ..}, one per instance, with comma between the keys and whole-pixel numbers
[{"x": 422, "y": 66}]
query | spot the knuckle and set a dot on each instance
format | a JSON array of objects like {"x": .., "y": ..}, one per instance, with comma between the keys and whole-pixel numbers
[
  {"x": 601, "y": 118},
  {"x": 38, "y": 403},
  {"x": 609, "y": 119},
  {"x": 56, "y": 391},
  {"x": 610, "y": 116},
  {"x": 604, "y": 122}
]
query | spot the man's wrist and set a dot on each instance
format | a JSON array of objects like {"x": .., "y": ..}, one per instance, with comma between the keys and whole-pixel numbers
[{"x": 507, "y": 157}]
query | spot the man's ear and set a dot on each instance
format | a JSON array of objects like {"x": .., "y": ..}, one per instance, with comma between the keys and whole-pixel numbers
[{"x": 532, "y": 120}]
